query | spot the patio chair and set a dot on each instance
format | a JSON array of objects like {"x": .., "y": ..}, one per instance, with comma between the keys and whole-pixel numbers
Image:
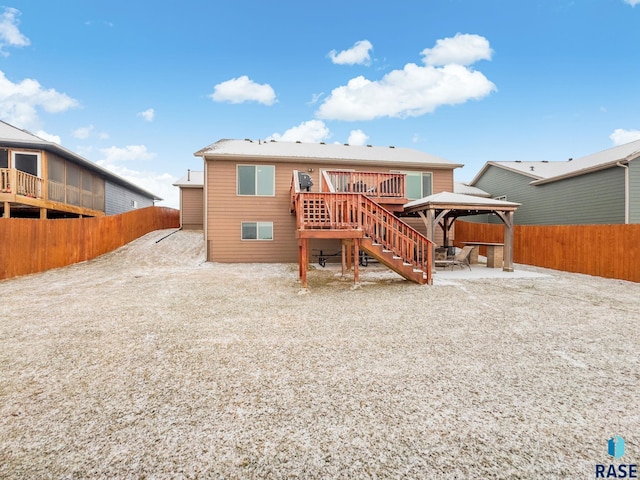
[{"x": 461, "y": 259}]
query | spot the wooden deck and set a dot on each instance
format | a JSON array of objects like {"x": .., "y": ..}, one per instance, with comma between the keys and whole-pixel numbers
[
  {"x": 361, "y": 223},
  {"x": 33, "y": 196}
]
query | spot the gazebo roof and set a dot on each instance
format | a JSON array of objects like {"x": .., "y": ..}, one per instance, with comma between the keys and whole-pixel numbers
[{"x": 458, "y": 201}]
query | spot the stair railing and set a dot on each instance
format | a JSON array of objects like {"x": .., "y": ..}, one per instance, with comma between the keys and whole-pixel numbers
[
  {"x": 404, "y": 241},
  {"x": 328, "y": 210}
]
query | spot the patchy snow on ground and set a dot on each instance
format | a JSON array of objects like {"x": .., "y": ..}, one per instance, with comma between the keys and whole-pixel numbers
[{"x": 149, "y": 362}]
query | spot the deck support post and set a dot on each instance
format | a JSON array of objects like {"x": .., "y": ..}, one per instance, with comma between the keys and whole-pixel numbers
[
  {"x": 356, "y": 263},
  {"x": 43, "y": 213},
  {"x": 344, "y": 256},
  {"x": 7, "y": 210},
  {"x": 304, "y": 261}
]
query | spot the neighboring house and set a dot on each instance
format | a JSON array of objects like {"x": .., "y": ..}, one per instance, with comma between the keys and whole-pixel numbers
[
  {"x": 602, "y": 188},
  {"x": 191, "y": 200},
  {"x": 253, "y": 211},
  {"x": 464, "y": 189},
  {"x": 41, "y": 179}
]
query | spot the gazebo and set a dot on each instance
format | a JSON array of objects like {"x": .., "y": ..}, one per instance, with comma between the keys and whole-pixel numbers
[{"x": 445, "y": 208}]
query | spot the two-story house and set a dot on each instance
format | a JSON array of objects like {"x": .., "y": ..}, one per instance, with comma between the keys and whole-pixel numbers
[{"x": 269, "y": 201}]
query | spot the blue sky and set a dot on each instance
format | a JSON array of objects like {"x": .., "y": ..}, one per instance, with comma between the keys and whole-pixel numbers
[{"x": 138, "y": 87}]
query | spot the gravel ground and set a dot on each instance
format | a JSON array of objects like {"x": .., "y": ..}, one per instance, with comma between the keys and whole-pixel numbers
[{"x": 149, "y": 363}]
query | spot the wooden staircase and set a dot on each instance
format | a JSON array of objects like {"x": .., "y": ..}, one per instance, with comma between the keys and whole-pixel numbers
[
  {"x": 393, "y": 261},
  {"x": 369, "y": 225},
  {"x": 394, "y": 243}
]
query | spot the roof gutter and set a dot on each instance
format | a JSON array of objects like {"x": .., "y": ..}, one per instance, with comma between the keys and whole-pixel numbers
[
  {"x": 327, "y": 161},
  {"x": 626, "y": 190}
]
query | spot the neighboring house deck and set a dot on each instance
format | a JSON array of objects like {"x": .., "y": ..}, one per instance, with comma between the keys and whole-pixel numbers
[
  {"x": 256, "y": 209},
  {"x": 602, "y": 188},
  {"x": 41, "y": 179}
]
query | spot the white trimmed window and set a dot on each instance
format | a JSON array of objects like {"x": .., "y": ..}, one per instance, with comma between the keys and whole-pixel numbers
[
  {"x": 418, "y": 184},
  {"x": 256, "y": 180},
  {"x": 257, "y": 230},
  {"x": 28, "y": 162}
]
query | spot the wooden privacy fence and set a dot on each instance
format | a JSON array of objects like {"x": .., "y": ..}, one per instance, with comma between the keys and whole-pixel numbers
[
  {"x": 31, "y": 246},
  {"x": 603, "y": 250}
]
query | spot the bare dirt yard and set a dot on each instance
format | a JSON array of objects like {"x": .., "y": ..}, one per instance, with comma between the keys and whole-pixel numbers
[{"x": 150, "y": 363}]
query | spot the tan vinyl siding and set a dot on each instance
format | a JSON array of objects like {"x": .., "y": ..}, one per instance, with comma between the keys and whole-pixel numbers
[
  {"x": 192, "y": 208},
  {"x": 226, "y": 210}
]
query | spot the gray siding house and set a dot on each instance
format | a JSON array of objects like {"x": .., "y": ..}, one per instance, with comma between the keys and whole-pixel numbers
[
  {"x": 120, "y": 198},
  {"x": 41, "y": 179},
  {"x": 602, "y": 188}
]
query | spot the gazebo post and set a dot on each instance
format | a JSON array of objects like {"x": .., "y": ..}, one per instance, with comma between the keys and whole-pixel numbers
[
  {"x": 428, "y": 220},
  {"x": 507, "y": 218}
]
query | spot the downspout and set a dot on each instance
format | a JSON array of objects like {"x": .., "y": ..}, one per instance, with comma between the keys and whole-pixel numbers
[
  {"x": 205, "y": 220},
  {"x": 626, "y": 191}
]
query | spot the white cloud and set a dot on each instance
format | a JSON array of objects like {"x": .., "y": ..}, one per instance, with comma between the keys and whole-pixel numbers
[
  {"x": 160, "y": 184},
  {"x": 410, "y": 92},
  {"x": 621, "y": 136},
  {"x": 356, "y": 55},
  {"x": 242, "y": 89},
  {"x": 463, "y": 49},
  {"x": 9, "y": 33},
  {"x": 49, "y": 137},
  {"x": 445, "y": 79},
  {"x": 148, "y": 114},
  {"x": 357, "y": 137},
  {"x": 114, "y": 159},
  {"x": 82, "y": 132},
  {"x": 19, "y": 102},
  {"x": 90, "y": 23},
  {"x": 312, "y": 131},
  {"x": 315, "y": 97},
  {"x": 113, "y": 155},
  {"x": 633, "y": 3}
]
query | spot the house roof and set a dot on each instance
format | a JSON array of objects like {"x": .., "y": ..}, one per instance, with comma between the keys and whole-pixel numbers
[
  {"x": 17, "y": 138},
  {"x": 458, "y": 200},
  {"x": 193, "y": 179},
  {"x": 318, "y": 152},
  {"x": 546, "y": 172},
  {"x": 465, "y": 189}
]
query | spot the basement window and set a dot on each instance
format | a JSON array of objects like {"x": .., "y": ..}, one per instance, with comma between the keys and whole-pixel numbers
[{"x": 257, "y": 230}]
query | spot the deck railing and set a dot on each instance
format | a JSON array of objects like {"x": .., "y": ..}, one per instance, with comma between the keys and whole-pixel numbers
[
  {"x": 28, "y": 185},
  {"x": 328, "y": 211},
  {"x": 19, "y": 182},
  {"x": 294, "y": 190},
  {"x": 372, "y": 184},
  {"x": 385, "y": 228},
  {"x": 352, "y": 211},
  {"x": 5, "y": 180}
]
